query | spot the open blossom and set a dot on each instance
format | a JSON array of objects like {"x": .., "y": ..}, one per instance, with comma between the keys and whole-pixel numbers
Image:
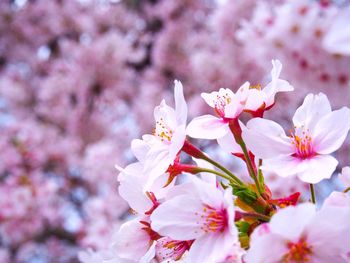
[
  {"x": 169, "y": 134},
  {"x": 206, "y": 215},
  {"x": 300, "y": 234},
  {"x": 337, "y": 39},
  {"x": 318, "y": 131},
  {"x": 227, "y": 106},
  {"x": 263, "y": 99}
]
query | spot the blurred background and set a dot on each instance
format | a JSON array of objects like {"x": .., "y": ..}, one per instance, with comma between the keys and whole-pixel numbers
[{"x": 79, "y": 80}]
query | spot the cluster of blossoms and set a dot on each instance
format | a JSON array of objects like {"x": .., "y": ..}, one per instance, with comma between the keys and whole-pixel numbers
[
  {"x": 189, "y": 208},
  {"x": 73, "y": 74}
]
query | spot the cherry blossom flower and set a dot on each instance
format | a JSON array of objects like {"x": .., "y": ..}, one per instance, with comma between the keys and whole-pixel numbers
[
  {"x": 205, "y": 215},
  {"x": 169, "y": 134},
  {"x": 300, "y": 234},
  {"x": 318, "y": 131},
  {"x": 227, "y": 106},
  {"x": 262, "y": 99}
]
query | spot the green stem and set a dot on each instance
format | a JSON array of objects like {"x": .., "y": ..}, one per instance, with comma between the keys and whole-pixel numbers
[
  {"x": 232, "y": 176},
  {"x": 312, "y": 191},
  {"x": 346, "y": 190},
  {"x": 255, "y": 215},
  {"x": 205, "y": 170},
  {"x": 250, "y": 165}
]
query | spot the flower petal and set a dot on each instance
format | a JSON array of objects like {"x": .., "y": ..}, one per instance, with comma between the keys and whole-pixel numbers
[
  {"x": 131, "y": 188},
  {"x": 207, "y": 127},
  {"x": 132, "y": 241},
  {"x": 180, "y": 104},
  {"x": 211, "y": 248},
  {"x": 177, "y": 218},
  {"x": 311, "y": 111},
  {"x": 269, "y": 248},
  {"x": 331, "y": 131},
  {"x": 290, "y": 222},
  {"x": 337, "y": 39},
  {"x": 177, "y": 141},
  {"x": 228, "y": 143},
  {"x": 318, "y": 168},
  {"x": 266, "y": 138},
  {"x": 284, "y": 166}
]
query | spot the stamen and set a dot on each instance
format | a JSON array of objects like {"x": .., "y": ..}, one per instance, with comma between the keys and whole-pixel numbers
[
  {"x": 213, "y": 220},
  {"x": 298, "y": 252},
  {"x": 302, "y": 144},
  {"x": 163, "y": 131}
]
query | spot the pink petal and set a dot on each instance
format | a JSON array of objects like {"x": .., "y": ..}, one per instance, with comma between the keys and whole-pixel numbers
[
  {"x": 266, "y": 138},
  {"x": 318, "y": 168},
  {"x": 331, "y": 131},
  {"x": 180, "y": 104},
  {"x": 177, "y": 141},
  {"x": 228, "y": 143},
  {"x": 178, "y": 218},
  {"x": 291, "y": 222},
  {"x": 207, "y": 127},
  {"x": 269, "y": 248},
  {"x": 211, "y": 248},
  {"x": 132, "y": 241},
  {"x": 311, "y": 111},
  {"x": 284, "y": 166}
]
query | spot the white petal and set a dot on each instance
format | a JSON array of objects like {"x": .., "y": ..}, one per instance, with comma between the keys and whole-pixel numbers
[
  {"x": 331, "y": 224},
  {"x": 207, "y": 127},
  {"x": 140, "y": 148},
  {"x": 292, "y": 221},
  {"x": 166, "y": 113},
  {"x": 211, "y": 248},
  {"x": 132, "y": 241},
  {"x": 337, "y": 39},
  {"x": 180, "y": 104},
  {"x": 311, "y": 111},
  {"x": 266, "y": 139},
  {"x": 131, "y": 186},
  {"x": 284, "y": 166},
  {"x": 228, "y": 143},
  {"x": 269, "y": 248},
  {"x": 177, "y": 218},
  {"x": 255, "y": 100},
  {"x": 331, "y": 131},
  {"x": 150, "y": 254},
  {"x": 234, "y": 108},
  {"x": 177, "y": 141},
  {"x": 318, "y": 168}
]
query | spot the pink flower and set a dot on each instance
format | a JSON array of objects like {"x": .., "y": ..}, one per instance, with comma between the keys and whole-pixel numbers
[
  {"x": 318, "y": 131},
  {"x": 262, "y": 99},
  {"x": 205, "y": 215},
  {"x": 227, "y": 106},
  {"x": 169, "y": 134},
  {"x": 300, "y": 234}
]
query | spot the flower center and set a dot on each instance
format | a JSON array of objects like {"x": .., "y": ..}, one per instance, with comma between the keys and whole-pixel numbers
[
  {"x": 167, "y": 248},
  {"x": 163, "y": 131},
  {"x": 257, "y": 86},
  {"x": 298, "y": 252},
  {"x": 220, "y": 103},
  {"x": 213, "y": 220},
  {"x": 302, "y": 143}
]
